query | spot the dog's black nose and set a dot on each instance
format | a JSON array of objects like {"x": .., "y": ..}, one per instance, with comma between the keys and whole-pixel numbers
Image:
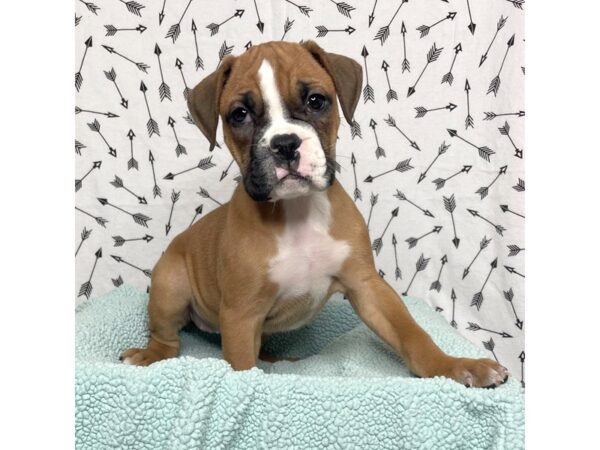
[{"x": 286, "y": 145}]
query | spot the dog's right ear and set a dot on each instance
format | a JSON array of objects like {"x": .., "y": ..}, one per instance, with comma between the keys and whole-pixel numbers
[{"x": 203, "y": 102}]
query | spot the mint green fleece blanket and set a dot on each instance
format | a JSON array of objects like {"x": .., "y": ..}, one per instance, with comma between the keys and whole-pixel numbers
[{"x": 349, "y": 390}]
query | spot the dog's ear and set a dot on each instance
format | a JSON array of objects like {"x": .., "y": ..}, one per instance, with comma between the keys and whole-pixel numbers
[
  {"x": 203, "y": 102},
  {"x": 346, "y": 74}
]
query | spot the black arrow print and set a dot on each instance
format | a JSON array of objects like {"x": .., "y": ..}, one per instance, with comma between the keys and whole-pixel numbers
[
  {"x": 174, "y": 198},
  {"x": 483, "y": 244},
  {"x": 226, "y": 171},
  {"x": 379, "y": 151},
  {"x": 378, "y": 242},
  {"x": 138, "y": 218},
  {"x": 179, "y": 149},
  {"x": 198, "y": 211},
  {"x": 471, "y": 25},
  {"x": 453, "y": 297},
  {"x": 397, "y": 271},
  {"x": 412, "y": 241},
  {"x": 517, "y": 3},
  {"x": 436, "y": 285},
  {"x": 110, "y": 115},
  {"x": 186, "y": 89},
  {"x": 432, "y": 56},
  {"x": 384, "y": 32},
  {"x": 373, "y": 202},
  {"x": 513, "y": 271},
  {"x": 483, "y": 190},
  {"x": 400, "y": 196},
  {"x": 204, "y": 194},
  {"x": 118, "y": 183},
  {"x": 140, "y": 65},
  {"x": 146, "y": 272},
  {"x": 224, "y": 51},
  {"x": 513, "y": 250},
  {"x": 111, "y": 75},
  {"x": 161, "y": 14},
  {"x": 133, "y": 7},
  {"x": 505, "y": 208},
  {"x": 86, "y": 288},
  {"x": 520, "y": 186},
  {"x": 204, "y": 164},
  {"x": 343, "y": 8},
  {"x": 119, "y": 240},
  {"x": 448, "y": 77},
  {"x": 424, "y": 29},
  {"x": 174, "y": 30},
  {"x": 443, "y": 148},
  {"x": 215, "y": 27},
  {"x": 441, "y": 182},
  {"x": 78, "y": 76},
  {"x": 505, "y": 131},
  {"x": 478, "y": 297},
  {"x": 77, "y": 19},
  {"x": 492, "y": 115},
  {"x": 198, "y": 61},
  {"x": 132, "y": 162},
  {"x": 355, "y": 130},
  {"x": 79, "y": 181},
  {"x": 499, "y": 26},
  {"x": 357, "y": 193},
  {"x": 469, "y": 119},
  {"x": 499, "y": 228},
  {"x": 509, "y": 295},
  {"x": 420, "y": 266},
  {"x": 91, "y": 7},
  {"x": 381, "y": 273},
  {"x": 368, "y": 92},
  {"x": 260, "y": 24},
  {"x": 85, "y": 233},
  {"x": 495, "y": 83},
  {"x": 405, "y": 63},
  {"x": 111, "y": 30},
  {"x": 402, "y": 166},
  {"x": 99, "y": 220},
  {"x": 95, "y": 126},
  {"x": 484, "y": 152},
  {"x": 372, "y": 15},
  {"x": 476, "y": 327},
  {"x": 422, "y": 111},
  {"x": 287, "y": 26},
  {"x": 78, "y": 147},
  {"x": 490, "y": 345},
  {"x": 155, "y": 189},
  {"x": 164, "y": 91},
  {"x": 391, "y": 93},
  {"x": 450, "y": 206},
  {"x": 392, "y": 123},
  {"x": 303, "y": 9},
  {"x": 151, "y": 125},
  {"x": 522, "y": 360}
]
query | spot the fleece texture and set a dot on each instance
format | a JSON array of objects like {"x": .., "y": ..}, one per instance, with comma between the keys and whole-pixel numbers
[{"x": 349, "y": 390}]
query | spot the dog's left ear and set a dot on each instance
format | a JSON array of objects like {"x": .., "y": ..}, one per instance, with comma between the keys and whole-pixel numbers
[{"x": 346, "y": 74}]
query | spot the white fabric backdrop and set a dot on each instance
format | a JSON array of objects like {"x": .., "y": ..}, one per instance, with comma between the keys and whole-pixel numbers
[{"x": 129, "y": 207}]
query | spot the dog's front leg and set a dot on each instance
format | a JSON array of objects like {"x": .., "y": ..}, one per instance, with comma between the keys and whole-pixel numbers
[
  {"x": 240, "y": 337},
  {"x": 381, "y": 309}
]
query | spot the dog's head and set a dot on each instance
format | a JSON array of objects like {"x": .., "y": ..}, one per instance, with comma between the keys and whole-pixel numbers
[{"x": 278, "y": 104}]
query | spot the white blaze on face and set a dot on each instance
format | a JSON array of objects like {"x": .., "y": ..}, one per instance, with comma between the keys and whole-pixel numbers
[{"x": 312, "y": 163}]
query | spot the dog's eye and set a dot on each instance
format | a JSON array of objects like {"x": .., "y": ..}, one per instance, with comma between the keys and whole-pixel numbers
[
  {"x": 239, "y": 115},
  {"x": 316, "y": 102}
]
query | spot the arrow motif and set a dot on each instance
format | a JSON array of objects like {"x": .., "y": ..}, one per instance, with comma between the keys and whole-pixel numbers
[
  {"x": 469, "y": 120},
  {"x": 490, "y": 345},
  {"x": 161, "y": 14},
  {"x": 78, "y": 147},
  {"x": 287, "y": 26},
  {"x": 499, "y": 26},
  {"x": 132, "y": 163},
  {"x": 204, "y": 194},
  {"x": 493, "y": 115},
  {"x": 372, "y": 15},
  {"x": 91, "y": 7},
  {"x": 198, "y": 211},
  {"x": 400, "y": 196},
  {"x": 174, "y": 30},
  {"x": 95, "y": 126},
  {"x": 443, "y": 148},
  {"x": 450, "y": 206},
  {"x": 260, "y": 25},
  {"x": 86, "y": 288},
  {"x": 79, "y": 181},
  {"x": 484, "y": 152},
  {"x": 441, "y": 182},
  {"x": 343, "y": 8},
  {"x": 471, "y": 25},
  {"x": 392, "y": 123},
  {"x": 420, "y": 266},
  {"x": 505, "y": 131},
  {"x": 198, "y": 61},
  {"x": 119, "y": 240},
  {"x": 111, "y": 75},
  {"x": 514, "y": 250},
  {"x": 186, "y": 89},
  {"x": 505, "y": 208},
  {"x": 151, "y": 125},
  {"x": 397, "y": 272},
  {"x": 204, "y": 164},
  {"x": 384, "y": 32},
  {"x": 517, "y": 3},
  {"x": 378, "y": 243},
  {"x": 155, "y": 190},
  {"x": 214, "y": 27},
  {"x": 179, "y": 149},
  {"x": 453, "y": 297},
  {"x": 99, "y": 220},
  {"x": 138, "y": 218},
  {"x": 499, "y": 228},
  {"x": 133, "y": 7},
  {"x": 146, "y": 272},
  {"x": 118, "y": 183},
  {"x": 412, "y": 242},
  {"x": 391, "y": 94},
  {"x": 378, "y": 151},
  {"x": 422, "y": 111},
  {"x": 355, "y": 129},
  {"x": 478, "y": 297},
  {"x": 174, "y": 198},
  {"x": 303, "y": 9},
  {"x": 522, "y": 360},
  {"x": 110, "y": 115},
  {"x": 85, "y": 233},
  {"x": 436, "y": 285},
  {"x": 483, "y": 190},
  {"x": 405, "y": 63},
  {"x": 164, "y": 91},
  {"x": 373, "y": 201},
  {"x": 424, "y": 29},
  {"x": 226, "y": 171},
  {"x": 111, "y": 30},
  {"x": 512, "y": 270},
  {"x": 368, "y": 92},
  {"x": 432, "y": 56},
  {"x": 78, "y": 76},
  {"x": 140, "y": 65},
  {"x": 495, "y": 83},
  {"x": 475, "y": 327},
  {"x": 520, "y": 186},
  {"x": 448, "y": 77},
  {"x": 402, "y": 166},
  {"x": 78, "y": 19},
  {"x": 357, "y": 193},
  {"x": 483, "y": 244},
  {"x": 224, "y": 51},
  {"x": 508, "y": 295}
]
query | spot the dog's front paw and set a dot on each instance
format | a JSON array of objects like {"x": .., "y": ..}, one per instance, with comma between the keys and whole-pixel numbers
[
  {"x": 140, "y": 356},
  {"x": 477, "y": 372}
]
